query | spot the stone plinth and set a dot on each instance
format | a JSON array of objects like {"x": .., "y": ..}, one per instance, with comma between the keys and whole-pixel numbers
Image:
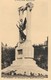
[{"x": 27, "y": 50}]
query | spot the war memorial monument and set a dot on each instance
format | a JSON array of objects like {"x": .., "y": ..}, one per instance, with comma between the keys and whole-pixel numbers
[{"x": 24, "y": 51}]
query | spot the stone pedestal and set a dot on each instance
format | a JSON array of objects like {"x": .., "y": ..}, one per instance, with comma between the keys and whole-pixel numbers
[{"x": 27, "y": 51}]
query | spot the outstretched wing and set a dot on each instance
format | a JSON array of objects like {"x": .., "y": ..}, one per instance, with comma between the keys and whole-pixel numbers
[
  {"x": 24, "y": 24},
  {"x": 21, "y": 28}
]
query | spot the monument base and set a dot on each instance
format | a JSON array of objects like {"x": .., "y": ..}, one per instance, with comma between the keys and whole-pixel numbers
[
  {"x": 24, "y": 62},
  {"x": 26, "y": 66},
  {"x": 24, "y": 50}
]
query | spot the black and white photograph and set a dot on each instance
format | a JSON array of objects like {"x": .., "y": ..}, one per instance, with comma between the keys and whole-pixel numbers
[{"x": 24, "y": 39}]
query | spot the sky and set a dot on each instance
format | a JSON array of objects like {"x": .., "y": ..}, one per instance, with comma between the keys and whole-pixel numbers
[{"x": 9, "y": 16}]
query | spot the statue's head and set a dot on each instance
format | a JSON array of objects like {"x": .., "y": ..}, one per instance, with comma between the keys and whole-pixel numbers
[{"x": 21, "y": 20}]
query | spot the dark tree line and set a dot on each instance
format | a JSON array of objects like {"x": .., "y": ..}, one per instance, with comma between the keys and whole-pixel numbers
[
  {"x": 41, "y": 56},
  {"x": 7, "y": 56}
]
